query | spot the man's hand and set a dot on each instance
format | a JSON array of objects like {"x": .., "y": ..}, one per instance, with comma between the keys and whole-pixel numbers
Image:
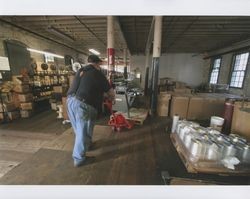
[{"x": 111, "y": 94}]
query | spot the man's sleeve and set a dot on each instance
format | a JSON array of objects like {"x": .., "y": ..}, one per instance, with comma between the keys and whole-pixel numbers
[{"x": 106, "y": 85}]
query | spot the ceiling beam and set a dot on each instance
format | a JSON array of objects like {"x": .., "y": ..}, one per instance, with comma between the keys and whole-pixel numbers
[
  {"x": 104, "y": 43},
  {"x": 39, "y": 35},
  {"x": 121, "y": 33},
  {"x": 183, "y": 32}
]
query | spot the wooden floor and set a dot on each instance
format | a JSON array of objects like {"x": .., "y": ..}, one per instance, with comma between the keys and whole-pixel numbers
[
  {"x": 21, "y": 138},
  {"x": 134, "y": 157}
]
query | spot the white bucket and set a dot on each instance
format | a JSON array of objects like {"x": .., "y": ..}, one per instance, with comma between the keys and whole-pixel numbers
[{"x": 216, "y": 122}]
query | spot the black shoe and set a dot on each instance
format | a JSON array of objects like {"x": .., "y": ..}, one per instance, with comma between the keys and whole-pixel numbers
[
  {"x": 88, "y": 160},
  {"x": 79, "y": 163}
]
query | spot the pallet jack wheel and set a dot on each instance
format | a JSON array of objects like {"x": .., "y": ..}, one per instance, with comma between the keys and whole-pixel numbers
[
  {"x": 113, "y": 128},
  {"x": 119, "y": 129}
]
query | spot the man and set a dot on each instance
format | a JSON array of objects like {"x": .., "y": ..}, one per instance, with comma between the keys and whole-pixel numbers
[{"x": 84, "y": 101}]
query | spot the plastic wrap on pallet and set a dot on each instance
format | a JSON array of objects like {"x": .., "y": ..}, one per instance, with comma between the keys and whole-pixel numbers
[{"x": 207, "y": 144}]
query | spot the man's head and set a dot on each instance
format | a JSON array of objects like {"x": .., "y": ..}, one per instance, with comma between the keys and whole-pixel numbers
[{"x": 94, "y": 59}]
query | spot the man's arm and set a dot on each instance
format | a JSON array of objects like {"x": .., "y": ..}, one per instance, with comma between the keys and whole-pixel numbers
[{"x": 111, "y": 94}]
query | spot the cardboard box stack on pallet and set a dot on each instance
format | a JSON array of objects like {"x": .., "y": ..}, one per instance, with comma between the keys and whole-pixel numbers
[
  {"x": 192, "y": 107},
  {"x": 24, "y": 96}
]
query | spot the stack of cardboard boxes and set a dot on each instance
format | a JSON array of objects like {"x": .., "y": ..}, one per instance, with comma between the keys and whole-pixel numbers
[
  {"x": 190, "y": 106},
  {"x": 24, "y": 95}
]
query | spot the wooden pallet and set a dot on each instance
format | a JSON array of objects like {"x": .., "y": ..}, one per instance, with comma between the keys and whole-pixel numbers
[
  {"x": 137, "y": 115},
  {"x": 205, "y": 166}
]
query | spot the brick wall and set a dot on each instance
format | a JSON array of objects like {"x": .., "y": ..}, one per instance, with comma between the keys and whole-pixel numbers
[{"x": 35, "y": 42}]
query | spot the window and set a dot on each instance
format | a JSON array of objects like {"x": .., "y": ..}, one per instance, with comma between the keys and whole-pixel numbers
[
  {"x": 49, "y": 58},
  {"x": 215, "y": 71},
  {"x": 239, "y": 69}
]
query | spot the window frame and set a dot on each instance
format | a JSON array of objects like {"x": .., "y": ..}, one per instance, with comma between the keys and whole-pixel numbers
[
  {"x": 212, "y": 67},
  {"x": 232, "y": 69}
]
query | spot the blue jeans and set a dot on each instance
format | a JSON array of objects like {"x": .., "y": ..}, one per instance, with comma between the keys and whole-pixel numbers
[{"x": 82, "y": 117}]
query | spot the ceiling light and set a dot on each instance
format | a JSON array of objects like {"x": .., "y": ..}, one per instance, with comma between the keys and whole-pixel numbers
[
  {"x": 45, "y": 53},
  {"x": 94, "y": 51},
  {"x": 60, "y": 33}
]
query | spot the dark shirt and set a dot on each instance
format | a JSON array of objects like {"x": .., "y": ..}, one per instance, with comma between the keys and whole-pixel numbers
[{"x": 90, "y": 86}]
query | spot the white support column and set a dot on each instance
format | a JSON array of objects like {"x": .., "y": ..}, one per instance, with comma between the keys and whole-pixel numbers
[
  {"x": 157, "y": 36},
  {"x": 110, "y": 43}
]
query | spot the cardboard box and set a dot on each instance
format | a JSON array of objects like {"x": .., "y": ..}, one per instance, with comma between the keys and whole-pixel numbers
[
  {"x": 241, "y": 118},
  {"x": 196, "y": 108},
  {"x": 7, "y": 107},
  {"x": 164, "y": 96},
  {"x": 22, "y": 88},
  {"x": 219, "y": 107},
  {"x": 205, "y": 106},
  {"x": 26, "y": 113},
  {"x": 179, "y": 106},
  {"x": 213, "y": 107},
  {"x": 163, "y": 103},
  {"x": 64, "y": 103},
  {"x": 11, "y": 115},
  {"x": 162, "y": 109},
  {"x": 25, "y": 97},
  {"x": 27, "y": 106},
  {"x": 60, "y": 89}
]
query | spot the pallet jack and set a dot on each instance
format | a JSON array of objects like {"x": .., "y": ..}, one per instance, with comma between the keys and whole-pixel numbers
[{"x": 117, "y": 121}]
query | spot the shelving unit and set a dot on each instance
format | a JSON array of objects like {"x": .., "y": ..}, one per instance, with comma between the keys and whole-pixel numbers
[{"x": 42, "y": 83}]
